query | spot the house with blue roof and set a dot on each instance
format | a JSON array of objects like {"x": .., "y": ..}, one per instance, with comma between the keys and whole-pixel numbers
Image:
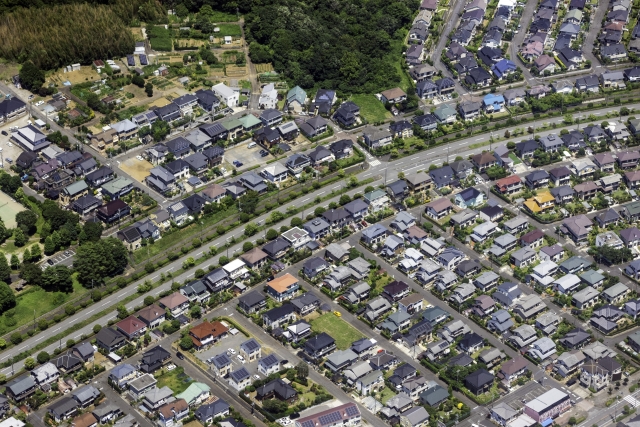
[
  {"x": 503, "y": 68},
  {"x": 493, "y": 103},
  {"x": 470, "y": 197}
]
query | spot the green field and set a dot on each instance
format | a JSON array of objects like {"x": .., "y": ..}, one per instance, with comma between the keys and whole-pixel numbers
[
  {"x": 223, "y": 17},
  {"x": 371, "y": 108},
  {"x": 176, "y": 380},
  {"x": 36, "y": 302},
  {"x": 516, "y": 161},
  {"x": 341, "y": 331},
  {"x": 8, "y": 210},
  {"x": 232, "y": 30}
]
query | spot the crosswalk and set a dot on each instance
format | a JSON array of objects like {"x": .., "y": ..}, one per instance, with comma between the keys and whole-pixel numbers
[
  {"x": 374, "y": 162},
  {"x": 632, "y": 400}
]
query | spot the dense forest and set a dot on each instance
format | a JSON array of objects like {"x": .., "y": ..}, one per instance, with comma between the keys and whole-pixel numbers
[
  {"x": 62, "y": 34},
  {"x": 342, "y": 44}
]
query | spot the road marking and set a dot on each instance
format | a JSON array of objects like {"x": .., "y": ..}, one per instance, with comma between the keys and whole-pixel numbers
[
  {"x": 89, "y": 312},
  {"x": 479, "y": 139},
  {"x": 305, "y": 200},
  {"x": 55, "y": 330},
  {"x": 157, "y": 275},
  {"x": 375, "y": 162},
  {"x": 104, "y": 304},
  {"x": 199, "y": 253},
  {"x": 632, "y": 400},
  {"x": 24, "y": 346},
  {"x": 159, "y": 290},
  {"x": 321, "y": 193}
]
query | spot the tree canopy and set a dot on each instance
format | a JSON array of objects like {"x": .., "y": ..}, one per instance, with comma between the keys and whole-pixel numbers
[
  {"x": 351, "y": 46},
  {"x": 96, "y": 261},
  {"x": 57, "y": 278}
]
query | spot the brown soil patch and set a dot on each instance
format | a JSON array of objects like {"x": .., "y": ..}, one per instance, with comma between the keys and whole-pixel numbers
[{"x": 138, "y": 169}]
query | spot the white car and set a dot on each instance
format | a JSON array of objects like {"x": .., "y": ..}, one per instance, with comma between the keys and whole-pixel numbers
[
  {"x": 240, "y": 358},
  {"x": 139, "y": 158},
  {"x": 256, "y": 377},
  {"x": 9, "y": 144},
  {"x": 232, "y": 351},
  {"x": 39, "y": 103}
]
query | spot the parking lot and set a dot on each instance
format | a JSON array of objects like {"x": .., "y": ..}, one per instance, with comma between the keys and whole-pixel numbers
[
  {"x": 66, "y": 258},
  {"x": 247, "y": 156},
  {"x": 231, "y": 346}
]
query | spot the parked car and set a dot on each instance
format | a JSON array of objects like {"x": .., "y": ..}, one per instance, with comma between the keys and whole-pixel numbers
[
  {"x": 180, "y": 355},
  {"x": 237, "y": 163}
]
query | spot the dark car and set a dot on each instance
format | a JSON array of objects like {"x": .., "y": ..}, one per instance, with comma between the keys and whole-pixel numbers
[
  {"x": 50, "y": 262},
  {"x": 4, "y": 132},
  {"x": 264, "y": 153},
  {"x": 572, "y": 381},
  {"x": 180, "y": 355},
  {"x": 237, "y": 163}
]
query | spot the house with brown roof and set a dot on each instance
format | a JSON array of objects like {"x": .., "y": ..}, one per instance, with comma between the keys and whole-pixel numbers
[
  {"x": 509, "y": 185},
  {"x": 605, "y": 161},
  {"x": 85, "y": 420},
  {"x": 214, "y": 193},
  {"x": 586, "y": 190},
  {"x": 176, "y": 303},
  {"x": 533, "y": 239},
  {"x": 255, "y": 258},
  {"x": 152, "y": 315},
  {"x": 105, "y": 139},
  {"x": 172, "y": 412},
  {"x": 439, "y": 208},
  {"x": 393, "y": 96},
  {"x": 512, "y": 369},
  {"x": 207, "y": 333},
  {"x": 283, "y": 288},
  {"x": 131, "y": 327},
  {"x": 484, "y": 161}
]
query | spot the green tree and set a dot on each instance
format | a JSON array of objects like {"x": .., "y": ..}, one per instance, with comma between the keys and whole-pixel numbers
[
  {"x": 271, "y": 234},
  {"x": 296, "y": 222},
  {"x": 5, "y": 270},
  {"x": 43, "y": 357},
  {"x": 31, "y": 273},
  {"x": 247, "y": 246},
  {"x": 31, "y": 77},
  {"x": 344, "y": 199},
  {"x": 148, "y": 300},
  {"x": 92, "y": 231},
  {"x": 26, "y": 220},
  {"x": 7, "y": 297},
  {"x": 29, "y": 363},
  {"x": 36, "y": 252},
  {"x": 49, "y": 246},
  {"x": 138, "y": 81},
  {"x": 19, "y": 238},
  {"x": 302, "y": 370},
  {"x": 250, "y": 229},
  {"x": 26, "y": 255},
  {"x": 96, "y": 328},
  {"x": 15, "y": 262},
  {"x": 186, "y": 343},
  {"x": 148, "y": 88},
  {"x": 96, "y": 261},
  {"x": 196, "y": 312},
  {"x": 57, "y": 279},
  {"x": 275, "y": 406}
]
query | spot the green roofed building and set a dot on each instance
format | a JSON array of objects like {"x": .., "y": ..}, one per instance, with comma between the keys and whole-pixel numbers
[
  {"x": 296, "y": 99},
  {"x": 445, "y": 114},
  {"x": 233, "y": 126},
  {"x": 117, "y": 187},
  {"x": 195, "y": 394},
  {"x": 250, "y": 122}
]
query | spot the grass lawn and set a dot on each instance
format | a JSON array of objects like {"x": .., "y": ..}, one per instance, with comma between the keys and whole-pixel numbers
[
  {"x": 176, "y": 380},
  {"x": 38, "y": 302},
  {"x": 341, "y": 331},
  {"x": 245, "y": 84},
  {"x": 516, "y": 160},
  {"x": 387, "y": 394},
  {"x": 370, "y": 108},
  {"x": 232, "y": 30},
  {"x": 405, "y": 82}
]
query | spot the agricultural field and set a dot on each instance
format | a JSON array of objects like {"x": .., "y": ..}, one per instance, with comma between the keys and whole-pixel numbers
[
  {"x": 160, "y": 38},
  {"x": 235, "y": 71},
  {"x": 264, "y": 68},
  {"x": 137, "y": 34},
  {"x": 371, "y": 108},
  {"x": 189, "y": 44},
  {"x": 9, "y": 208},
  {"x": 84, "y": 74},
  {"x": 341, "y": 331},
  {"x": 232, "y": 30}
]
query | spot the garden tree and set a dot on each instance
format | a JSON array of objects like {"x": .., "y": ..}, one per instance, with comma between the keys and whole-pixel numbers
[
  {"x": 43, "y": 357},
  {"x": 31, "y": 77},
  {"x": 249, "y": 202},
  {"x": 148, "y": 300},
  {"x": 57, "y": 217},
  {"x": 19, "y": 238},
  {"x": 96, "y": 328},
  {"x": 186, "y": 343},
  {"x": 96, "y": 261},
  {"x": 26, "y": 255},
  {"x": 36, "y": 252},
  {"x": 496, "y": 172},
  {"x": 4, "y": 233},
  {"x": 223, "y": 260},
  {"x": 400, "y": 175},
  {"x": 5, "y": 270},
  {"x": 196, "y": 312},
  {"x": 91, "y": 232},
  {"x": 275, "y": 406},
  {"x": 123, "y": 313},
  {"x": 271, "y": 234},
  {"x": 26, "y": 220},
  {"x": 344, "y": 199},
  {"x": 611, "y": 255},
  {"x": 31, "y": 273},
  {"x": 7, "y": 298},
  {"x": 29, "y": 363},
  {"x": 296, "y": 221},
  {"x": 49, "y": 246},
  {"x": 148, "y": 88},
  {"x": 302, "y": 370},
  {"x": 57, "y": 279},
  {"x": 15, "y": 262},
  {"x": 511, "y": 145},
  {"x": 247, "y": 246}
]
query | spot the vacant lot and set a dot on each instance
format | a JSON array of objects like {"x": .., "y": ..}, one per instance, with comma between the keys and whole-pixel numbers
[
  {"x": 138, "y": 169},
  {"x": 176, "y": 380},
  {"x": 8, "y": 210},
  {"x": 341, "y": 331},
  {"x": 160, "y": 102},
  {"x": 371, "y": 108},
  {"x": 84, "y": 74}
]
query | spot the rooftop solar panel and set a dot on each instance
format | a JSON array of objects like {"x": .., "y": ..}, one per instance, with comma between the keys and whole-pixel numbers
[
  {"x": 143, "y": 60},
  {"x": 352, "y": 410},
  {"x": 130, "y": 60},
  {"x": 308, "y": 423}
]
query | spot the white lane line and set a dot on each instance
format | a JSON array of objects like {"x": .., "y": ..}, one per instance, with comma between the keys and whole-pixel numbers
[
  {"x": 104, "y": 304},
  {"x": 154, "y": 277},
  {"x": 89, "y": 312},
  {"x": 479, "y": 139},
  {"x": 305, "y": 200},
  {"x": 24, "y": 346},
  {"x": 55, "y": 330},
  {"x": 199, "y": 253},
  {"x": 322, "y": 192}
]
